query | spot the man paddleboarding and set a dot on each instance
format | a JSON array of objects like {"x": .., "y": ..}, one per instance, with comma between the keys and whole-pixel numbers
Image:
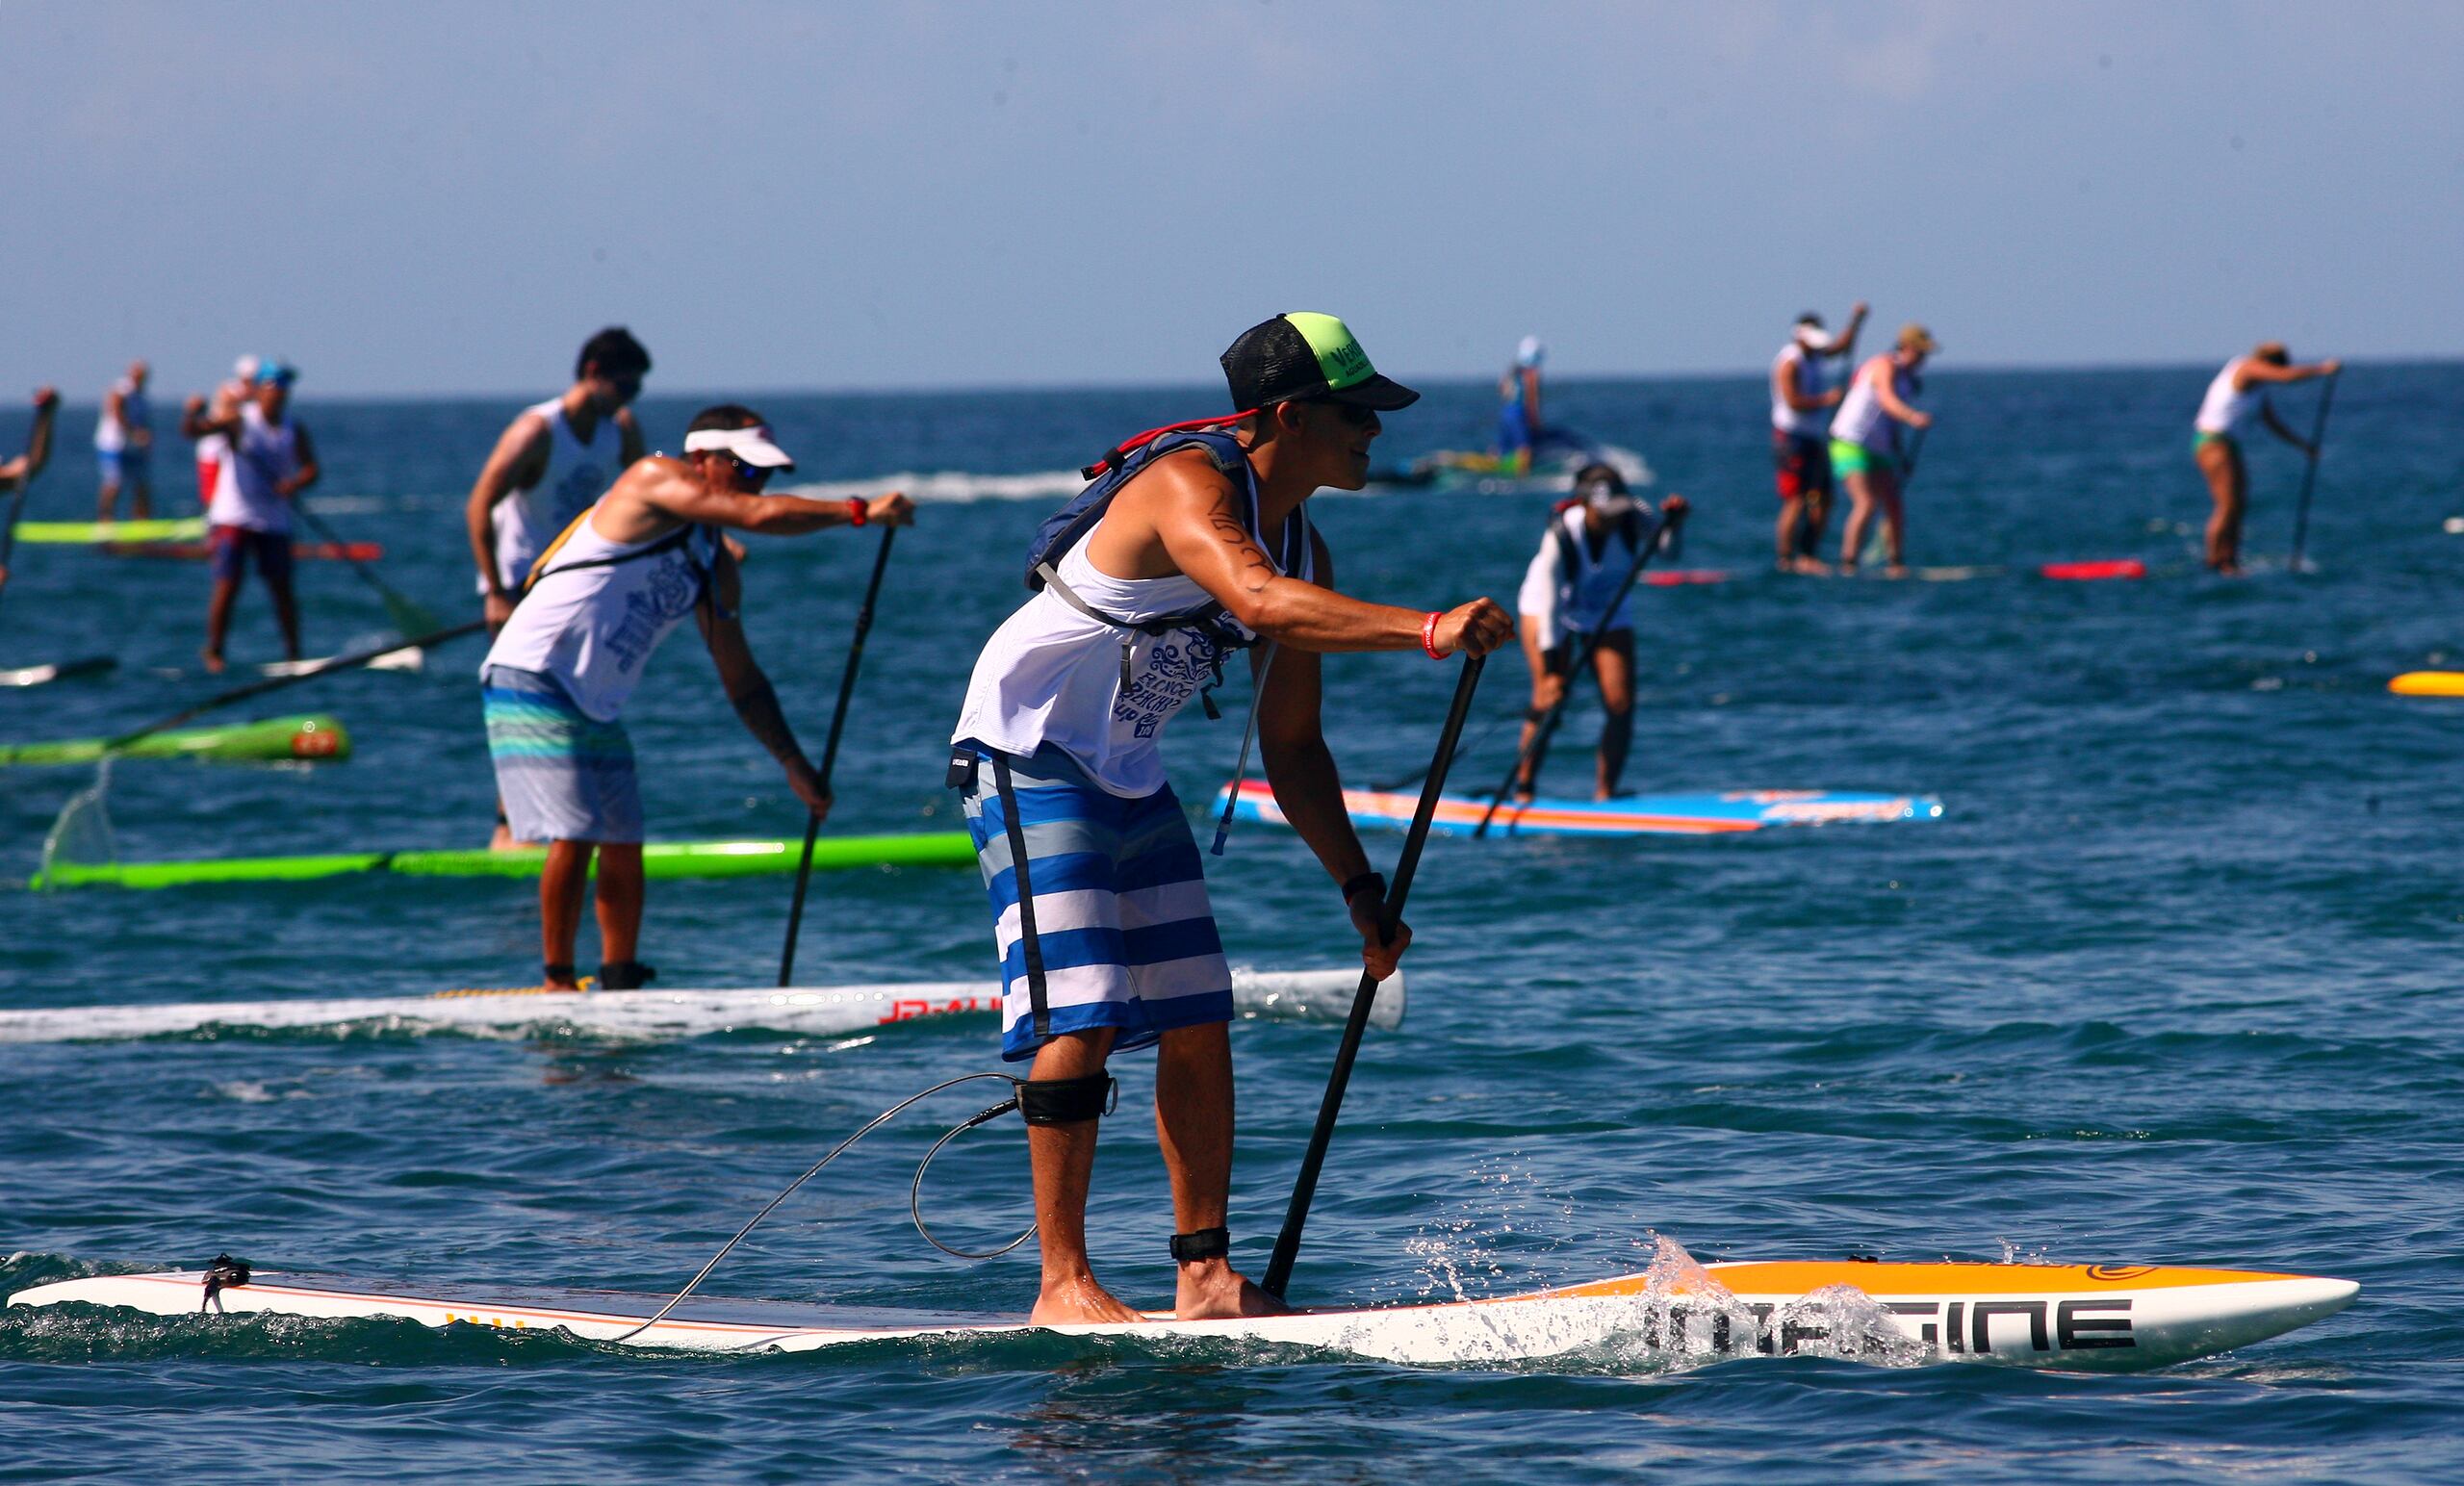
[
  {"x": 1192, "y": 543},
  {"x": 1519, "y": 425},
  {"x": 1802, "y": 399},
  {"x": 548, "y": 466},
  {"x": 1865, "y": 446},
  {"x": 2237, "y": 393},
  {"x": 599, "y": 599},
  {"x": 1576, "y": 588},
  {"x": 197, "y": 415},
  {"x": 270, "y": 460},
  {"x": 124, "y": 448}
]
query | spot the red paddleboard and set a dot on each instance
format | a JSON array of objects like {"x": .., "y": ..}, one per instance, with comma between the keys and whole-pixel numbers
[
  {"x": 1679, "y": 577},
  {"x": 197, "y": 552},
  {"x": 2093, "y": 572}
]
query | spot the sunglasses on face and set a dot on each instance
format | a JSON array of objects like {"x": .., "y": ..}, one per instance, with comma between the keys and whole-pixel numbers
[
  {"x": 752, "y": 476},
  {"x": 1351, "y": 413}
]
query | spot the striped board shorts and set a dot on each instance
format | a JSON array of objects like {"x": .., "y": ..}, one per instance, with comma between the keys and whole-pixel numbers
[
  {"x": 1116, "y": 930},
  {"x": 563, "y": 775}
]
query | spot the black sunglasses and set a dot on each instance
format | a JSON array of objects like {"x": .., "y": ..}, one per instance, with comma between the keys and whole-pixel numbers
[
  {"x": 753, "y": 476},
  {"x": 1351, "y": 413}
]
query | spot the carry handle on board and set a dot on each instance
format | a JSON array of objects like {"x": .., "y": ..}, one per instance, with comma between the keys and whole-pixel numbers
[{"x": 1286, "y": 1244}]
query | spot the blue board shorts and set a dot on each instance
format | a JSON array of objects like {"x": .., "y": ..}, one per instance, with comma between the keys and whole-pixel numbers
[
  {"x": 1117, "y": 929},
  {"x": 234, "y": 548},
  {"x": 563, "y": 775},
  {"x": 1514, "y": 431}
]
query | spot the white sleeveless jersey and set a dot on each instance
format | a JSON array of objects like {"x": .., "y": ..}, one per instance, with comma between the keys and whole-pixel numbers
[
  {"x": 577, "y": 474},
  {"x": 592, "y": 623},
  {"x": 1860, "y": 419},
  {"x": 111, "y": 434},
  {"x": 2223, "y": 410},
  {"x": 1052, "y": 675},
  {"x": 1580, "y": 606},
  {"x": 262, "y": 455},
  {"x": 1808, "y": 424}
]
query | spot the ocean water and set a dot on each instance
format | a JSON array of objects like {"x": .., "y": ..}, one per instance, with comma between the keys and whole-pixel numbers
[{"x": 2173, "y": 979}]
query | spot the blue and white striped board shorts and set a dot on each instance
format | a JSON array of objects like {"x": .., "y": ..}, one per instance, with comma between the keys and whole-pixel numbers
[
  {"x": 563, "y": 775},
  {"x": 1116, "y": 928}
]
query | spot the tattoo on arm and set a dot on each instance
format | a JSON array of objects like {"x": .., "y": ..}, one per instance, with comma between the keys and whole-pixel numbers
[
  {"x": 1256, "y": 570},
  {"x": 759, "y": 710}
]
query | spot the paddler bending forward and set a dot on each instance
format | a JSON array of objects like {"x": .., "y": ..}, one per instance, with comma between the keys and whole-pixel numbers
[
  {"x": 600, "y": 599},
  {"x": 1188, "y": 544}
]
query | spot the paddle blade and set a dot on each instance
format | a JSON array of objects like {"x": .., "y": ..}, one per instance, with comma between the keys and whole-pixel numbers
[{"x": 80, "y": 836}]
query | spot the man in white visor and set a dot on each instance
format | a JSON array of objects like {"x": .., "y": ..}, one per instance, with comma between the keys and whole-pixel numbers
[{"x": 596, "y": 602}]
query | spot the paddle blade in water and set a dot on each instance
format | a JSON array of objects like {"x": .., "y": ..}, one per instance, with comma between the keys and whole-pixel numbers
[{"x": 81, "y": 836}]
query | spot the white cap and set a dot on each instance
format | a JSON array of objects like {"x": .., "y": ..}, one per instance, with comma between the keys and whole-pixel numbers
[
  {"x": 1529, "y": 353},
  {"x": 246, "y": 369},
  {"x": 750, "y": 445}
]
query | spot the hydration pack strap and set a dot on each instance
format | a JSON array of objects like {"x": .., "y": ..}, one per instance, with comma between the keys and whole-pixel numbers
[
  {"x": 1030, "y": 945},
  {"x": 1118, "y": 454},
  {"x": 1208, "y": 619},
  {"x": 666, "y": 544}
]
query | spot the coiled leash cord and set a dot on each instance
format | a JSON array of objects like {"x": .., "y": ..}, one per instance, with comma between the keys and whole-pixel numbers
[{"x": 914, "y": 1192}]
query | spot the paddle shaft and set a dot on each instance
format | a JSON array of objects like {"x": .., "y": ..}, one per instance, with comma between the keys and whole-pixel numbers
[
  {"x": 395, "y": 603},
  {"x": 1548, "y": 726},
  {"x": 2310, "y": 475},
  {"x": 830, "y": 754},
  {"x": 1286, "y": 1244},
  {"x": 278, "y": 682}
]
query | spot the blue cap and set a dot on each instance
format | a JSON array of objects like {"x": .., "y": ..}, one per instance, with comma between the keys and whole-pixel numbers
[{"x": 276, "y": 374}]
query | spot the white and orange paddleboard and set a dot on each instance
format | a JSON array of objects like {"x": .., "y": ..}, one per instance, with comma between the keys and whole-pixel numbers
[{"x": 2094, "y": 1317}]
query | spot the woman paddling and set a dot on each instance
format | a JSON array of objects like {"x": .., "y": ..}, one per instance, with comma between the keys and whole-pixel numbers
[
  {"x": 1865, "y": 446},
  {"x": 2239, "y": 391}
]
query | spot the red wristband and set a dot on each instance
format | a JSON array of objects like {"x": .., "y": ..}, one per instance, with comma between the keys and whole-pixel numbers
[
  {"x": 1429, "y": 635},
  {"x": 854, "y": 510}
]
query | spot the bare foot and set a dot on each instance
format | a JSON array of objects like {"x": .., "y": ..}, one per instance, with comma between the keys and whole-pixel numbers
[
  {"x": 1811, "y": 567},
  {"x": 1896, "y": 570},
  {"x": 1212, "y": 1288},
  {"x": 212, "y": 662},
  {"x": 1078, "y": 1302}
]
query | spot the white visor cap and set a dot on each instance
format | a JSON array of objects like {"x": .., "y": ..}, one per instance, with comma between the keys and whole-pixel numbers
[{"x": 750, "y": 445}]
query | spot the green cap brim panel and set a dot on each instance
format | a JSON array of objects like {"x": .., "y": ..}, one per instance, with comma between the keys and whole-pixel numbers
[{"x": 1339, "y": 356}]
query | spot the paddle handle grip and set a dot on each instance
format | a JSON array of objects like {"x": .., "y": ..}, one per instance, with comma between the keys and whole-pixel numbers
[{"x": 1304, "y": 1188}]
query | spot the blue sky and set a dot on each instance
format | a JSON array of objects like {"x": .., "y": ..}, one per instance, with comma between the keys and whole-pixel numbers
[{"x": 444, "y": 198}]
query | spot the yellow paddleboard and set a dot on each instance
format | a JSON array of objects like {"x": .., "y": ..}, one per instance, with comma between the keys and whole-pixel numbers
[{"x": 2429, "y": 683}]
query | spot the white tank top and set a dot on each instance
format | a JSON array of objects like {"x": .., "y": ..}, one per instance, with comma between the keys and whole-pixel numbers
[
  {"x": 111, "y": 434},
  {"x": 577, "y": 474},
  {"x": 1808, "y": 424},
  {"x": 1579, "y": 606},
  {"x": 2224, "y": 410},
  {"x": 592, "y": 623},
  {"x": 1860, "y": 419},
  {"x": 244, "y": 491},
  {"x": 1052, "y": 675}
]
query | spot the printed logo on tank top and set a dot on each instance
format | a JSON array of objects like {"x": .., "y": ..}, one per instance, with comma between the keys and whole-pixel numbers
[
  {"x": 666, "y": 596},
  {"x": 1176, "y": 667},
  {"x": 582, "y": 484}
]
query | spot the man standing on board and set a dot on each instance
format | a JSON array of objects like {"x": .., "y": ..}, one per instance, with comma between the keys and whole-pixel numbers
[
  {"x": 270, "y": 460},
  {"x": 1801, "y": 403},
  {"x": 2239, "y": 391},
  {"x": 1865, "y": 448},
  {"x": 600, "y": 598},
  {"x": 196, "y": 415},
  {"x": 1189, "y": 546},
  {"x": 125, "y": 447},
  {"x": 548, "y": 466},
  {"x": 1519, "y": 422}
]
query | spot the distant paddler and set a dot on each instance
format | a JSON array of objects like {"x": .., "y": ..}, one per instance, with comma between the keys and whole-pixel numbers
[
  {"x": 600, "y": 599},
  {"x": 2238, "y": 392},
  {"x": 1518, "y": 424},
  {"x": 18, "y": 472},
  {"x": 1191, "y": 545},
  {"x": 198, "y": 414},
  {"x": 1865, "y": 446},
  {"x": 1591, "y": 545},
  {"x": 1802, "y": 400},
  {"x": 548, "y": 466},
  {"x": 125, "y": 447},
  {"x": 270, "y": 460}
]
